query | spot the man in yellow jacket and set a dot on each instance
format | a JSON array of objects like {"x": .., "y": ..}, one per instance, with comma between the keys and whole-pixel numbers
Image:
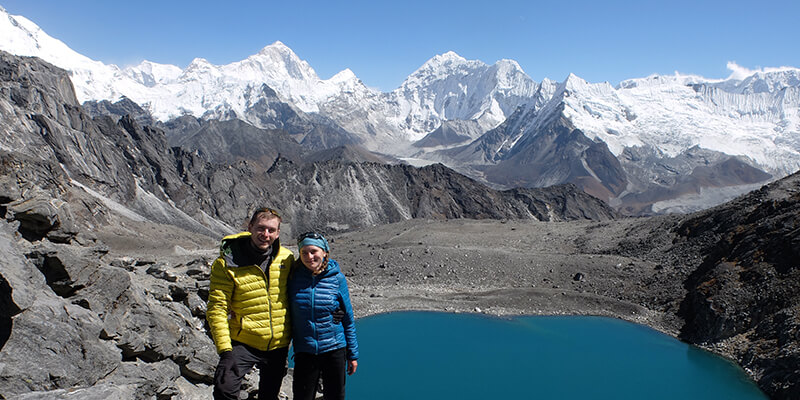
[{"x": 247, "y": 307}]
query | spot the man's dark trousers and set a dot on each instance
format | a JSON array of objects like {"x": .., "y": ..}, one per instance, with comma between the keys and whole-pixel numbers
[{"x": 234, "y": 365}]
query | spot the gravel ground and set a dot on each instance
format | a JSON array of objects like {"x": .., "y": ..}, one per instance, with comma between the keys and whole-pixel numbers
[
  {"x": 484, "y": 266},
  {"x": 508, "y": 268}
]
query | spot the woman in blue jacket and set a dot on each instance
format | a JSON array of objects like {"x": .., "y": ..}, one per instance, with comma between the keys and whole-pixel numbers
[{"x": 323, "y": 346}]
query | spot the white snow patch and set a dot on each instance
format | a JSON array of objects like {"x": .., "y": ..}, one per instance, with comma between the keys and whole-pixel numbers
[
  {"x": 708, "y": 197},
  {"x": 111, "y": 204}
]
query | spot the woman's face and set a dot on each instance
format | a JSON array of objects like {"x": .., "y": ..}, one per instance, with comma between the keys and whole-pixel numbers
[{"x": 312, "y": 257}]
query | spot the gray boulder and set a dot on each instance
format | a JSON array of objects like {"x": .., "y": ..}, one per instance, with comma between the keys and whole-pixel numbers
[{"x": 47, "y": 343}]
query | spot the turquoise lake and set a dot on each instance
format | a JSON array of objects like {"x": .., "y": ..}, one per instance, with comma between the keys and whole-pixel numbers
[{"x": 429, "y": 355}]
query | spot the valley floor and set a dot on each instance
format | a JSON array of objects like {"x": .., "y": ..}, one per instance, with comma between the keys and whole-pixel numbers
[
  {"x": 484, "y": 266},
  {"x": 509, "y": 268}
]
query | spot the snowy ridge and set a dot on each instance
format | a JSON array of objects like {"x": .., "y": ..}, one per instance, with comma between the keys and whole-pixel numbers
[
  {"x": 168, "y": 91},
  {"x": 674, "y": 113},
  {"x": 446, "y": 87},
  {"x": 92, "y": 79},
  {"x": 204, "y": 87},
  {"x": 450, "y": 87}
]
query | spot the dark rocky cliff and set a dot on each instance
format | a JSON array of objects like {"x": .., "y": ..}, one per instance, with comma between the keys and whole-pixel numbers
[{"x": 745, "y": 295}]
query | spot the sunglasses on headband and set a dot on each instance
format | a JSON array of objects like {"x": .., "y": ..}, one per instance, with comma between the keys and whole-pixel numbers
[
  {"x": 310, "y": 235},
  {"x": 268, "y": 210}
]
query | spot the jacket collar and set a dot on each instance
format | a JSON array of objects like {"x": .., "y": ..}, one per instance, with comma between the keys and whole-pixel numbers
[
  {"x": 234, "y": 253},
  {"x": 332, "y": 269}
]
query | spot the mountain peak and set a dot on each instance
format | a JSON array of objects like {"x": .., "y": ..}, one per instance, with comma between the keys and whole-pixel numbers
[
  {"x": 198, "y": 62},
  {"x": 441, "y": 66},
  {"x": 279, "y": 56},
  {"x": 573, "y": 82},
  {"x": 199, "y": 67},
  {"x": 344, "y": 76},
  {"x": 450, "y": 55},
  {"x": 508, "y": 64},
  {"x": 446, "y": 58},
  {"x": 276, "y": 46}
]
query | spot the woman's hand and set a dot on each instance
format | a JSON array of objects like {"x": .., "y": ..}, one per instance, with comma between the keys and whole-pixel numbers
[{"x": 352, "y": 365}]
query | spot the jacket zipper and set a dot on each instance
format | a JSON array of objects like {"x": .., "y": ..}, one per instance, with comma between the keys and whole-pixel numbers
[
  {"x": 313, "y": 309},
  {"x": 269, "y": 305}
]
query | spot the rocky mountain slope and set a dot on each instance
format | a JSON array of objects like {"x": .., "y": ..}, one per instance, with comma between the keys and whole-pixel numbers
[
  {"x": 134, "y": 166},
  {"x": 746, "y": 292}
]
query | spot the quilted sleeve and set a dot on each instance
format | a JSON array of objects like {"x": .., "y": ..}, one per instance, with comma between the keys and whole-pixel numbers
[
  {"x": 348, "y": 321},
  {"x": 219, "y": 297}
]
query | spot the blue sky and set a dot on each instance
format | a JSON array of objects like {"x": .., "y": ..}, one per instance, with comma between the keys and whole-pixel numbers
[{"x": 383, "y": 42}]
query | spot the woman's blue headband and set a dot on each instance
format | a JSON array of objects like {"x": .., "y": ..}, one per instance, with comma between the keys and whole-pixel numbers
[{"x": 313, "y": 239}]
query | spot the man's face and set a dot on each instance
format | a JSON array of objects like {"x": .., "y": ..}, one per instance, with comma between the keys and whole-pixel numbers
[{"x": 264, "y": 231}]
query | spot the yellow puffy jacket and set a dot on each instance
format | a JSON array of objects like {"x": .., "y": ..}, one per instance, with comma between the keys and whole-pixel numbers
[{"x": 244, "y": 303}]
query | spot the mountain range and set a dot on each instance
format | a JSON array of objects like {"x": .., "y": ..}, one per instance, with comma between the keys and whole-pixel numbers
[{"x": 648, "y": 145}]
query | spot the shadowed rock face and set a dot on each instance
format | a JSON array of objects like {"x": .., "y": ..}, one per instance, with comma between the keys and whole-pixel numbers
[
  {"x": 121, "y": 108},
  {"x": 451, "y": 133},
  {"x": 748, "y": 285},
  {"x": 334, "y": 196},
  {"x": 690, "y": 173},
  {"x": 226, "y": 142},
  {"x": 557, "y": 154}
]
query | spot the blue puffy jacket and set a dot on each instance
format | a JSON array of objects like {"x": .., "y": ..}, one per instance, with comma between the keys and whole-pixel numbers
[{"x": 313, "y": 299}]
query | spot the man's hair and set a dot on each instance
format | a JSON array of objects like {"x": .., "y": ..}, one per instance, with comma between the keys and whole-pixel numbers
[{"x": 264, "y": 212}]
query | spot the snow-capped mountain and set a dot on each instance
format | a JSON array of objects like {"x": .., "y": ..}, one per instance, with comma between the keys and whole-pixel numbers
[
  {"x": 168, "y": 91},
  {"x": 202, "y": 86},
  {"x": 92, "y": 79},
  {"x": 675, "y": 113},
  {"x": 674, "y": 137},
  {"x": 449, "y": 87},
  {"x": 646, "y": 142},
  {"x": 446, "y": 87}
]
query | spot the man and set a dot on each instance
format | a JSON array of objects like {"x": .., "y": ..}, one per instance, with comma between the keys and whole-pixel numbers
[{"x": 247, "y": 307}]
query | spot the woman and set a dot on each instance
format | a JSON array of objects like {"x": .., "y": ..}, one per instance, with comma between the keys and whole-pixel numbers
[{"x": 323, "y": 346}]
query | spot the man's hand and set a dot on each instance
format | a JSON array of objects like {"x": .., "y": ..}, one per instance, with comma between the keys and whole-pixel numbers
[
  {"x": 226, "y": 368},
  {"x": 338, "y": 315}
]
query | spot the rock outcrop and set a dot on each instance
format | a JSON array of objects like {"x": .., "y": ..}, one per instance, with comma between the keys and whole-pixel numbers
[
  {"x": 745, "y": 295},
  {"x": 73, "y": 318}
]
